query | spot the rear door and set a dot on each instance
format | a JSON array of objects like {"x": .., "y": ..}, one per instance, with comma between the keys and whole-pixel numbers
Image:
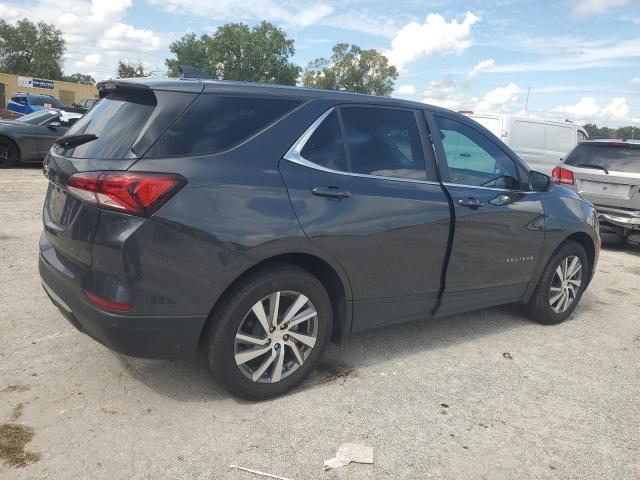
[
  {"x": 362, "y": 182},
  {"x": 498, "y": 230}
]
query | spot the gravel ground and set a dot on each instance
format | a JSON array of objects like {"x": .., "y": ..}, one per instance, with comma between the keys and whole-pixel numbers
[{"x": 487, "y": 394}]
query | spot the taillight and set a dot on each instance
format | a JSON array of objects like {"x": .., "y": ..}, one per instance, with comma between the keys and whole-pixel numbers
[
  {"x": 107, "y": 304},
  {"x": 137, "y": 193},
  {"x": 562, "y": 176}
]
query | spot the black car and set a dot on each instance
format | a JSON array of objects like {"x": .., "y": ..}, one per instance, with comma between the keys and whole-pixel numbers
[
  {"x": 29, "y": 138},
  {"x": 255, "y": 223}
]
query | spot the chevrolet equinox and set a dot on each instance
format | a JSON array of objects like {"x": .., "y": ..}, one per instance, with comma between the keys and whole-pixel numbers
[{"x": 256, "y": 223}]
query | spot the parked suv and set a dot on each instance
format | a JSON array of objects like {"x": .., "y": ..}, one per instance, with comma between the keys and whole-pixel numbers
[
  {"x": 607, "y": 173},
  {"x": 255, "y": 223}
]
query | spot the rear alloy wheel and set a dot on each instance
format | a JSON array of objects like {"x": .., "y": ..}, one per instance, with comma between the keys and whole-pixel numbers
[
  {"x": 561, "y": 285},
  {"x": 271, "y": 346},
  {"x": 269, "y": 333},
  {"x": 8, "y": 154}
]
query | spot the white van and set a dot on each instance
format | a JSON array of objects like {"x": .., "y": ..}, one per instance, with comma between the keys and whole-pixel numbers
[{"x": 540, "y": 143}]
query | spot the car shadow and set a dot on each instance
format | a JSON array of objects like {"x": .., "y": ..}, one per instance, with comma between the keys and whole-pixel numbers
[
  {"x": 623, "y": 247},
  {"x": 190, "y": 381}
]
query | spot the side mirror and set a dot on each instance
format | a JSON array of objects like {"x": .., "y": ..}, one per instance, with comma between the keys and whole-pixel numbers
[
  {"x": 539, "y": 182},
  {"x": 53, "y": 125}
]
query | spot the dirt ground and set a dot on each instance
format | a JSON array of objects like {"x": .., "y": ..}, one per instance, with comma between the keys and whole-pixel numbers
[{"x": 487, "y": 394}]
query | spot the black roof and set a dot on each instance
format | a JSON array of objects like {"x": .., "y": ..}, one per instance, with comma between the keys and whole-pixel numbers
[{"x": 198, "y": 85}]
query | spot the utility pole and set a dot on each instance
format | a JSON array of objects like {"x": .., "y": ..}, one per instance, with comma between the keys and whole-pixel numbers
[{"x": 526, "y": 105}]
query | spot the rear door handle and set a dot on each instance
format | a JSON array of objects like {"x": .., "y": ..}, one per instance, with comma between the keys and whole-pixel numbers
[
  {"x": 335, "y": 193},
  {"x": 472, "y": 203}
]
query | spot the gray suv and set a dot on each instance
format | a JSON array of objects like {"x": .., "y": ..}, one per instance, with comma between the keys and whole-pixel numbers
[
  {"x": 607, "y": 173},
  {"x": 255, "y": 223}
]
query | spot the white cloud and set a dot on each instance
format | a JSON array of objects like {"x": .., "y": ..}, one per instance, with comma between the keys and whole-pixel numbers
[
  {"x": 406, "y": 90},
  {"x": 498, "y": 96},
  {"x": 288, "y": 12},
  {"x": 574, "y": 57},
  {"x": 635, "y": 81},
  {"x": 91, "y": 24},
  {"x": 587, "y": 109},
  {"x": 482, "y": 66},
  {"x": 435, "y": 35},
  {"x": 590, "y": 7},
  {"x": 616, "y": 109},
  {"x": 8, "y": 13}
]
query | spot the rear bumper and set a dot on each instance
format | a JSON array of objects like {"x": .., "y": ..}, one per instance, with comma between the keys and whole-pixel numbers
[
  {"x": 623, "y": 218},
  {"x": 167, "y": 337}
]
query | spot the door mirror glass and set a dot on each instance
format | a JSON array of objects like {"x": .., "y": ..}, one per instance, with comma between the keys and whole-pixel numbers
[{"x": 539, "y": 182}]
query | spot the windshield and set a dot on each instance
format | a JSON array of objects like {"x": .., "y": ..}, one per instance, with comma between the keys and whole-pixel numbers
[
  {"x": 44, "y": 100},
  {"x": 39, "y": 117},
  {"x": 116, "y": 121},
  {"x": 617, "y": 158}
]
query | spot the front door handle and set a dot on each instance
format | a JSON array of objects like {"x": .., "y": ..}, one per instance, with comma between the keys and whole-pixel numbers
[
  {"x": 335, "y": 193},
  {"x": 472, "y": 203}
]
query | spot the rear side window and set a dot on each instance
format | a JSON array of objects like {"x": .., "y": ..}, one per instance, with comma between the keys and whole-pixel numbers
[
  {"x": 325, "y": 146},
  {"x": 117, "y": 121},
  {"x": 621, "y": 158},
  {"x": 379, "y": 141},
  {"x": 215, "y": 122}
]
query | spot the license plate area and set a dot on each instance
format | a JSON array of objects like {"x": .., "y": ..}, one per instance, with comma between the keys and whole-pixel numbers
[
  {"x": 619, "y": 190},
  {"x": 57, "y": 202}
]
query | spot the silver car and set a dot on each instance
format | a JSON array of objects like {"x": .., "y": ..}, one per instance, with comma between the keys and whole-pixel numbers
[{"x": 607, "y": 173}]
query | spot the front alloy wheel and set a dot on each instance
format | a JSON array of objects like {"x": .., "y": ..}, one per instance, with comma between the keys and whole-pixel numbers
[
  {"x": 276, "y": 337},
  {"x": 565, "y": 284}
]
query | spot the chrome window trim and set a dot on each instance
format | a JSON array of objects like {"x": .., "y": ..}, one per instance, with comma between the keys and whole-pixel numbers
[
  {"x": 293, "y": 155},
  {"x": 448, "y": 184}
]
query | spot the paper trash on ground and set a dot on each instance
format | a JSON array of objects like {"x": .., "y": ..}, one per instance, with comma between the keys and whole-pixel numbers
[{"x": 350, "y": 452}]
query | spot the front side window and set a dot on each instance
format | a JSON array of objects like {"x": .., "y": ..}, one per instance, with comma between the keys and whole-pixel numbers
[
  {"x": 473, "y": 159},
  {"x": 581, "y": 136},
  {"x": 19, "y": 99}
]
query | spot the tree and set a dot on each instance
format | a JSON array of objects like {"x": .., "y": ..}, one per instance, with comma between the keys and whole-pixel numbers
[
  {"x": 127, "y": 69},
  {"x": 31, "y": 49},
  {"x": 236, "y": 52},
  {"x": 79, "y": 78},
  {"x": 352, "y": 69},
  {"x": 605, "y": 132}
]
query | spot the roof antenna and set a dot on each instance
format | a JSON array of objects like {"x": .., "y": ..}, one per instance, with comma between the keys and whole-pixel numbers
[{"x": 191, "y": 72}]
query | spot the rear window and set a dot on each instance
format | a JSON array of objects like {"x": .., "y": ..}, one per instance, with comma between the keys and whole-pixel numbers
[
  {"x": 619, "y": 159},
  {"x": 45, "y": 101},
  {"x": 117, "y": 121},
  {"x": 215, "y": 122}
]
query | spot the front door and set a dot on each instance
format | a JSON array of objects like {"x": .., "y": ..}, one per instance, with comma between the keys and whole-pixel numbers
[
  {"x": 373, "y": 204},
  {"x": 498, "y": 221}
]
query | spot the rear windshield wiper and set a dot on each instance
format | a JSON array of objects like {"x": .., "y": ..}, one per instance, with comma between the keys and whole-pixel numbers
[
  {"x": 599, "y": 167},
  {"x": 74, "y": 140}
]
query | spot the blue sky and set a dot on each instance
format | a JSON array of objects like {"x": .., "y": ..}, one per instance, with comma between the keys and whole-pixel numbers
[{"x": 581, "y": 58}]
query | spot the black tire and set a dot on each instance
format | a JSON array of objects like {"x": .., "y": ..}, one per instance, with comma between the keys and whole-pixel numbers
[
  {"x": 8, "y": 154},
  {"x": 219, "y": 338},
  {"x": 539, "y": 307}
]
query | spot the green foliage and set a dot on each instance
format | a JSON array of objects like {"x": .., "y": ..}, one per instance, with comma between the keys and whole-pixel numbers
[
  {"x": 352, "y": 69},
  {"x": 31, "y": 49},
  {"x": 236, "y": 52},
  {"x": 79, "y": 78},
  {"x": 128, "y": 69},
  {"x": 605, "y": 132}
]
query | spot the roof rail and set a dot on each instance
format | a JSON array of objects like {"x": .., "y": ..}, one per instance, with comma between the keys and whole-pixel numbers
[{"x": 192, "y": 72}]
